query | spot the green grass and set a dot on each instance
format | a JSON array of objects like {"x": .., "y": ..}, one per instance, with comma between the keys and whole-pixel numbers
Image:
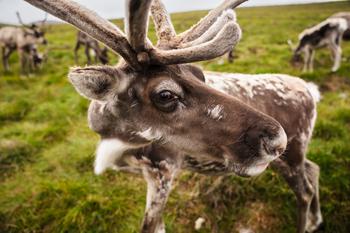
[{"x": 46, "y": 148}]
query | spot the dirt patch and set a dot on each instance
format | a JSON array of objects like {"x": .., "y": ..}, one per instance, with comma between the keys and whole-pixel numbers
[
  {"x": 335, "y": 83},
  {"x": 257, "y": 217}
]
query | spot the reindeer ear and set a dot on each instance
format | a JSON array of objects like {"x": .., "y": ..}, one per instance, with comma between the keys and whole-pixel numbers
[{"x": 95, "y": 82}]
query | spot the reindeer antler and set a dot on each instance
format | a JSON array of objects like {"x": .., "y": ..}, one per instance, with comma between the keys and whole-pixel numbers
[
  {"x": 219, "y": 45},
  {"x": 20, "y": 19},
  {"x": 213, "y": 36},
  {"x": 136, "y": 23},
  {"x": 226, "y": 17},
  {"x": 204, "y": 24},
  {"x": 190, "y": 46},
  {"x": 44, "y": 20},
  {"x": 164, "y": 28}
]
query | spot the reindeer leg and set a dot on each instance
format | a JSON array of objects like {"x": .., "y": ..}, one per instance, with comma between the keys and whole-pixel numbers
[
  {"x": 311, "y": 60},
  {"x": 230, "y": 56},
  {"x": 299, "y": 183},
  {"x": 6, "y": 52},
  {"x": 31, "y": 65},
  {"x": 315, "y": 217},
  {"x": 77, "y": 46},
  {"x": 332, "y": 54},
  {"x": 87, "y": 53},
  {"x": 96, "y": 56},
  {"x": 159, "y": 179},
  {"x": 337, "y": 51},
  {"x": 22, "y": 58},
  {"x": 306, "y": 60},
  {"x": 296, "y": 170},
  {"x": 97, "y": 52},
  {"x": 3, "y": 52}
]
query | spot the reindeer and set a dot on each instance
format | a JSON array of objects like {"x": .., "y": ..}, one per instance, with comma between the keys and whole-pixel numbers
[
  {"x": 24, "y": 39},
  {"x": 90, "y": 44},
  {"x": 328, "y": 33},
  {"x": 157, "y": 115}
]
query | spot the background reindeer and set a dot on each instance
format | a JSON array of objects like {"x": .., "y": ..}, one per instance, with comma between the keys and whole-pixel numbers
[
  {"x": 25, "y": 40},
  {"x": 328, "y": 33},
  {"x": 90, "y": 44},
  {"x": 157, "y": 115}
]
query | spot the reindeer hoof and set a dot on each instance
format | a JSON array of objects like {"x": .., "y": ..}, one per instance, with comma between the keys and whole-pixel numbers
[{"x": 315, "y": 224}]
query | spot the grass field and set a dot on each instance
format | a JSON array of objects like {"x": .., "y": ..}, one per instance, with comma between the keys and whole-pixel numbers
[{"x": 46, "y": 149}]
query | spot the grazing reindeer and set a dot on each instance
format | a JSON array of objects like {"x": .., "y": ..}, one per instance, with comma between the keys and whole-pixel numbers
[
  {"x": 90, "y": 44},
  {"x": 24, "y": 39},
  {"x": 328, "y": 33},
  {"x": 157, "y": 115}
]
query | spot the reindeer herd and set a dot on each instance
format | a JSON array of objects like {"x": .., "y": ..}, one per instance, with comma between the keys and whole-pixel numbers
[
  {"x": 25, "y": 41},
  {"x": 157, "y": 114}
]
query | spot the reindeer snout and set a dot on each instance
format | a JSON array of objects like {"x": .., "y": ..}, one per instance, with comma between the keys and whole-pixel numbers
[
  {"x": 271, "y": 140},
  {"x": 275, "y": 145}
]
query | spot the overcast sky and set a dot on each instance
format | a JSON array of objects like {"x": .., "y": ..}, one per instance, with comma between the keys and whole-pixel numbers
[{"x": 114, "y": 8}]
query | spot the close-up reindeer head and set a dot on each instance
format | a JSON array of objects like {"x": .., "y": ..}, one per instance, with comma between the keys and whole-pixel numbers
[
  {"x": 154, "y": 97},
  {"x": 34, "y": 32}
]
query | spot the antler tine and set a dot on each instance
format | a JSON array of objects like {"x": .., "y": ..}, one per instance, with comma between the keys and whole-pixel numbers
[
  {"x": 92, "y": 24},
  {"x": 45, "y": 19},
  {"x": 227, "y": 16},
  {"x": 20, "y": 19},
  {"x": 164, "y": 27},
  {"x": 203, "y": 25},
  {"x": 136, "y": 23},
  {"x": 221, "y": 34},
  {"x": 228, "y": 37}
]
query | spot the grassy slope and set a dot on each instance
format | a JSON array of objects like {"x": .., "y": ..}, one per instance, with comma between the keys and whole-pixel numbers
[{"x": 46, "y": 148}]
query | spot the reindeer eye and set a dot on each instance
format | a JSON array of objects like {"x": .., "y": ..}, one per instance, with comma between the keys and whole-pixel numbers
[
  {"x": 165, "y": 101},
  {"x": 166, "y": 96}
]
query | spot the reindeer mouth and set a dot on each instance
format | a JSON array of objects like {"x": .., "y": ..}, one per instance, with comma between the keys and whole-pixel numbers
[
  {"x": 245, "y": 161},
  {"x": 296, "y": 60},
  {"x": 253, "y": 166},
  {"x": 257, "y": 169}
]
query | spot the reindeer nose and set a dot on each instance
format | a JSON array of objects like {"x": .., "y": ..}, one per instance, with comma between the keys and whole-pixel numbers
[
  {"x": 275, "y": 145},
  {"x": 269, "y": 140}
]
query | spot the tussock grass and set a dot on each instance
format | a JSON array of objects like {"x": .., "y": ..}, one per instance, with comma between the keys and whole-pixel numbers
[{"x": 47, "y": 150}]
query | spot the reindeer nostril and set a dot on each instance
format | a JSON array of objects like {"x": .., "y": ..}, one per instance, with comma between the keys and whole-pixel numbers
[
  {"x": 272, "y": 150},
  {"x": 276, "y": 145},
  {"x": 280, "y": 150}
]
